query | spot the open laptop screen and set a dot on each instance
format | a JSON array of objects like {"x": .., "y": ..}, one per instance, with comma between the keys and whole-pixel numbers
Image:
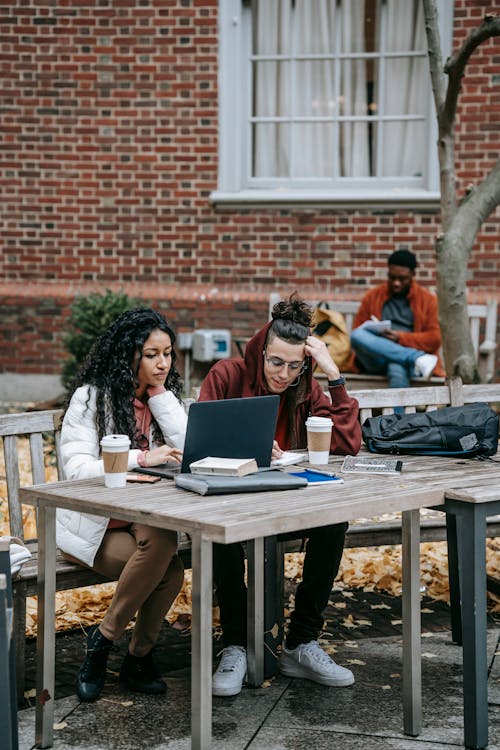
[{"x": 231, "y": 428}]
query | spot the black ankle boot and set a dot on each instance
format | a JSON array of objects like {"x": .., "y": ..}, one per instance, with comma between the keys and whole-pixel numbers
[
  {"x": 92, "y": 673},
  {"x": 140, "y": 675}
]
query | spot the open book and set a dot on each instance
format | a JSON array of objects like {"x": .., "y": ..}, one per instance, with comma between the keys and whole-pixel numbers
[
  {"x": 289, "y": 458},
  {"x": 376, "y": 326}
]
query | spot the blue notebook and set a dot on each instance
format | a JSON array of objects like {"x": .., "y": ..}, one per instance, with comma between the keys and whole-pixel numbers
[{"x": 314, "y": 477}]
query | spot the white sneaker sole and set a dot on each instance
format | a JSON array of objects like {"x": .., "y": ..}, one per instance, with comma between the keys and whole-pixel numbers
[
  {"x": 226, "y": 692},
  {"x": 296, "y": 670}
]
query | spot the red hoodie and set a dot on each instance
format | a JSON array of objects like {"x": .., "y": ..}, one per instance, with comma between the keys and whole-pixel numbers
[{"x": 240, "y": 378}]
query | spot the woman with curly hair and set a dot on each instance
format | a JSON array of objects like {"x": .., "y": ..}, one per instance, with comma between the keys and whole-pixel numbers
[
  {"x": 279, "y": 360},
  {"x": 129, "y": 385}
]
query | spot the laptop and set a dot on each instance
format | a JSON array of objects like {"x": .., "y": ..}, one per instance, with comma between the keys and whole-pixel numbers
[{"x": 231, "y": 428}]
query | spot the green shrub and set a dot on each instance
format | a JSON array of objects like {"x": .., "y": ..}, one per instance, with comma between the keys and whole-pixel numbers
[{"x": 90, "y": 316}]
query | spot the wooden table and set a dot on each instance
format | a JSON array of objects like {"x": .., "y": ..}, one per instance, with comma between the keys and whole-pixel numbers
[{"x": 235, "y": 518}]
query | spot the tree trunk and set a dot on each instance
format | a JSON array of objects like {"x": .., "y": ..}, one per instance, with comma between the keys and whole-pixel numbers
[
  {"x": 451, "y": 270},
  {"x": 460, "y": 224}
]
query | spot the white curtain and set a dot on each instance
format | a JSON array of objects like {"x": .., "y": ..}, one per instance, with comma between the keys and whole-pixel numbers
[
  {"x": 354, "y": 152},
  {"x": 295, "y": 88},
  {"x": 272, "y": 35},
  {"x": 405, "y": 91}
]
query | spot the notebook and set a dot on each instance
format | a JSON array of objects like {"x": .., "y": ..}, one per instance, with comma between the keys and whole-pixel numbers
[{"x": 231, "y": 428}]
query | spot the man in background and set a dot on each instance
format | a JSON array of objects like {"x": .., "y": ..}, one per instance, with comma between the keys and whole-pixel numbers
[{"x": 408, "y": 346}]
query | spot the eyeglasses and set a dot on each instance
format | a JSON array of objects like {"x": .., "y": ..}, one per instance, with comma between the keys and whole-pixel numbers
[{"x": 276, "y": 363}]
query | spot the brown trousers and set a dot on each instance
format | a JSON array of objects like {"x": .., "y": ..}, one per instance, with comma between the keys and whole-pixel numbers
[{"x": 150, "y": 574}]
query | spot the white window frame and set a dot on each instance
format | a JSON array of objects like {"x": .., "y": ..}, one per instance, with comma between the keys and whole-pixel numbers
[{"x": 234, "y": 186}]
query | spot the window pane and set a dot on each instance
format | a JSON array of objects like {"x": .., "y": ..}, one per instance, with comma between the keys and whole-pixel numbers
[
  {"x": 272, "y": 27},
  {"x": 313, "y": 89},
  {"x": 406, "y": 88},
  {"x": 313, "y": 24},
  {"x": 271, "y": 89},
  {"x": 271, "y": 150},
  {"x": 404, "y": 26},
  {"x": 398, "y": 159},
  {"x": 313, "y": 150}
]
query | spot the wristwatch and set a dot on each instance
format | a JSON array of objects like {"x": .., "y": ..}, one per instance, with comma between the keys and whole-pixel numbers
[{"x": 339, "y": 381}]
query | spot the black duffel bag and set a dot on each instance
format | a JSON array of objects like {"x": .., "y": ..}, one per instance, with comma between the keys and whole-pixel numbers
[{"x": 468, "y": 431}]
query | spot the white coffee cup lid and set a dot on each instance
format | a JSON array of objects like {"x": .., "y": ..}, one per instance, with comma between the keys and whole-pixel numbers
[
  {"x": 115, "y": 441},
  {"x": 318, "y": 422}
]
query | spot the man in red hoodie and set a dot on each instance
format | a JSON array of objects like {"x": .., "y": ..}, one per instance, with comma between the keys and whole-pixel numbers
[
  {"x": 279, "y": 360},
  {"x": 409, "y": 345}
]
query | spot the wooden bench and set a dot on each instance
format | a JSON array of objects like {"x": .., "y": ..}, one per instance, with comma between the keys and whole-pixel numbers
[
  {"x": 8, "y": 702},
  {"x": 42, "y": 428},
  {"x": 483, "y": 328},
  {"x": 43, "y": 431}
]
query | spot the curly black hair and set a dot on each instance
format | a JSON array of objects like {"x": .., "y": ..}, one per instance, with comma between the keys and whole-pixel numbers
[
  {"x": 291, "y": 320},
  {"x": 112, "y": 365}
]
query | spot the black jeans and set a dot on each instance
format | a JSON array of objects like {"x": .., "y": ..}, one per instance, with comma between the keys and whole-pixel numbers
[{"x": 324, "y": 548}]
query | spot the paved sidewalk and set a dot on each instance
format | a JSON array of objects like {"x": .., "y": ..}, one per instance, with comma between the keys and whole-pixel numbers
[{"x": 287, "y": 714}]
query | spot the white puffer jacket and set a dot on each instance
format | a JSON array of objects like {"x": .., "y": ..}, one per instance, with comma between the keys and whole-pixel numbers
[{"x": 80, "y": 534}]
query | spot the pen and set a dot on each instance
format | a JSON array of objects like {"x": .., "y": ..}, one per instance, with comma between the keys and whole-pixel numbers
[{"x": 323, "y": 473}]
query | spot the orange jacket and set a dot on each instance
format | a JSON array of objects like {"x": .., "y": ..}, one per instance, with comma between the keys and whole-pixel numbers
[{"x": 426, "y": 334}]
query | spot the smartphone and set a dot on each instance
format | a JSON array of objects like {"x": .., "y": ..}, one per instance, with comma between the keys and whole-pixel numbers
[{"x": 147, "y": 478}]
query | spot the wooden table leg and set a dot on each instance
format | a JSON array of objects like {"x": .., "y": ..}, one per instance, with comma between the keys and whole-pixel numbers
[
  {"x": 255, "y": 612},
  {"x": 201, "y": 643},
  {"x": 412, "y": 664},
  {"x": 46, "y": 628}
]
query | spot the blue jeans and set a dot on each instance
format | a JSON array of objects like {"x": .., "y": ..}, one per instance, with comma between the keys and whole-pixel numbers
[{"x": 381, "y": 356}]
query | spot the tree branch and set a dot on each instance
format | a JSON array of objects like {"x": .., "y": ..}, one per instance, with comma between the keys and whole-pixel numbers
[
  {"x": 456, "y": 64},
  {"x": 476, "y": 208},
  {"x": 435, "y": 55}
]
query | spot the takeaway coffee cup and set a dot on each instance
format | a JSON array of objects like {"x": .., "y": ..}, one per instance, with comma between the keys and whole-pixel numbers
[
  {"x": 319, "y": 433},
  {"x": 114, "y": 450}
]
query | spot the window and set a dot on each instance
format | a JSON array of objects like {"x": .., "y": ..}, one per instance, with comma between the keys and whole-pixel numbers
[{"x": 326, "y": 100}]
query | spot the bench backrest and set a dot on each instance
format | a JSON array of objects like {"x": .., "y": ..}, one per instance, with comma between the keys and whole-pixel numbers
[
  {"x": 453, "y": 393},
  {"x": 39, "y": 427},
  {"x": 482, "y": 322}
]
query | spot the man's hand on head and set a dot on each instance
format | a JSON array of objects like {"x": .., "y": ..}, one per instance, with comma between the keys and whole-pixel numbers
[{"x": 316, "y": 348}]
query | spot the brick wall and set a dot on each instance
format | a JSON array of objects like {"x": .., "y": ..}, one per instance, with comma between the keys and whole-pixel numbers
[{"x": 108, "y": 133}]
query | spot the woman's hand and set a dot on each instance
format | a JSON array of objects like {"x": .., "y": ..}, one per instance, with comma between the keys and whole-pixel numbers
[
  {"x": 276, "y": 451},
  {"x": 316, "y": 349},
  {"x": 161, "y": 454}
]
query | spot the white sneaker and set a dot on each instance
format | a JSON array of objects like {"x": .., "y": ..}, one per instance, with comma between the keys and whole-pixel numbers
[
  {"x": 229, "y": 676},
  {"x": 309, "y": 661},
  {"x": 424, "y": 365}
]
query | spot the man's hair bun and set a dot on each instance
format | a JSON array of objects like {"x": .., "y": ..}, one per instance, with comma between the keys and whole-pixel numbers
[
  {"x": 292, "y": 319},
  {"x": 293, "y": 309}
]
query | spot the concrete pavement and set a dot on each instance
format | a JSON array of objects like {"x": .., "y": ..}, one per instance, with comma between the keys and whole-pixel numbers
[{"x": 287, "y": 714}]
